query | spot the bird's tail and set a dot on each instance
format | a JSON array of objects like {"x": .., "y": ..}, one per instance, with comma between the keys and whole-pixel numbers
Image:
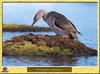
[{"x": 79, "y": 33}]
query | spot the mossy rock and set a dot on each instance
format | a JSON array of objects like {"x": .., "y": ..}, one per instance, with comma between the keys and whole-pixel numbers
[
  {"x": 29, "y": 49},
  {"x": 40, "y": 45}
]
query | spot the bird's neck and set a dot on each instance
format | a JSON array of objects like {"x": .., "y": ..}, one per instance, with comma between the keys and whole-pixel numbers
[{"x": 45, "y": 15}]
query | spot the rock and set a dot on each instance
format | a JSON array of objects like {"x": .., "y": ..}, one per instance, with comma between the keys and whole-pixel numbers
[{"x": 45, "y": 45}]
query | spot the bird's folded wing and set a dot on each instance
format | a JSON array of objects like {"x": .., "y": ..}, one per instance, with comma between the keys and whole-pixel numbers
[{"x": 68, "y": 26}]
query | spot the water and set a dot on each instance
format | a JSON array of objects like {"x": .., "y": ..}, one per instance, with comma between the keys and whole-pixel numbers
[
  {"x": 49, "y": 61},
  {"x": 9, "y": 35}
]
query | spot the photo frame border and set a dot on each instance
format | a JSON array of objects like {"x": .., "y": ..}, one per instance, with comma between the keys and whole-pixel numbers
[{"x": 58, "y": 70}]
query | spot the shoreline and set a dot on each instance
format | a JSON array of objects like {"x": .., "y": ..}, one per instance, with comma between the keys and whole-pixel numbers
[{"x": 23, "y": 28}]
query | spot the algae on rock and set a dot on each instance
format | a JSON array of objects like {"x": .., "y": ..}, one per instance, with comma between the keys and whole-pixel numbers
[
  {"x": 27, "y": 48},
  {"x": 40, "y": 45}
]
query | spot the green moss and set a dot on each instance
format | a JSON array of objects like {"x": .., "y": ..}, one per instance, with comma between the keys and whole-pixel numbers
[
  {"x": 23, "y": 28},
  {"x": 66, "y": 52},
  {"x": 29, "y": 49}
]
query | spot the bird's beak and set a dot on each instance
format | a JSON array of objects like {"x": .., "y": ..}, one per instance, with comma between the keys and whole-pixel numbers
[{"x": 34, "y": 22}]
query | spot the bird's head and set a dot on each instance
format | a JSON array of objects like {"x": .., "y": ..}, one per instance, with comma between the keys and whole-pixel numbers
[{"x": 38, "y": 15}]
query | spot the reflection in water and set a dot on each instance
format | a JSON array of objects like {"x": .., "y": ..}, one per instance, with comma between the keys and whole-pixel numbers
[
  {"x": 49, "y": 61},
  {"x": 63, "y": 61}
]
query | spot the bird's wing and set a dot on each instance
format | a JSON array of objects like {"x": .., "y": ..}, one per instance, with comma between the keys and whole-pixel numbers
[
  {"x": 75, "y": 28},
  {"x": 72, "y": 25},
  {"x": 68, "y": 26},
  {"x": 62, "y": 22}
]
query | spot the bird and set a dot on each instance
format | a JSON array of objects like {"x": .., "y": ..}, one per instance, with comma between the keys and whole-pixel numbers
[{"x": 58, "y": 23}]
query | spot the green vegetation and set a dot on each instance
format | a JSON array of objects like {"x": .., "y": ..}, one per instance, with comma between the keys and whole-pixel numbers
[
  {"x": 44, "y": 45},
  {"x": 23, "y": 28},
  {"x": 29, "y": 49}
]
